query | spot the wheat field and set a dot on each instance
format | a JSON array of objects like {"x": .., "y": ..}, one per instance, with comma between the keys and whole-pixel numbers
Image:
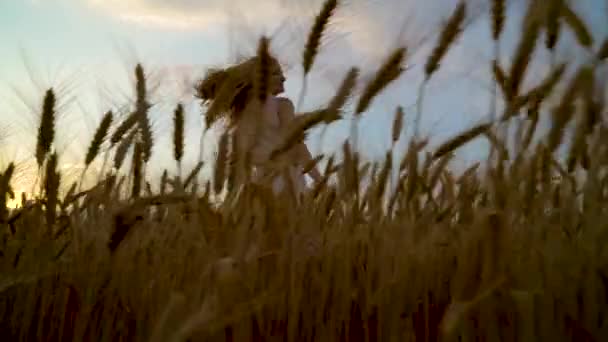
[{"x": 512, "y": 249}]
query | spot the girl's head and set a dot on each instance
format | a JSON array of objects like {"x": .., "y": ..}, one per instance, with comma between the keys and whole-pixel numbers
[{"x": 229, "y": 90}]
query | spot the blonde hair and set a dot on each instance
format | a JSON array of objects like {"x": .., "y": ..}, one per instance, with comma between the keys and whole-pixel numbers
[{"x": 227, "y": 91}]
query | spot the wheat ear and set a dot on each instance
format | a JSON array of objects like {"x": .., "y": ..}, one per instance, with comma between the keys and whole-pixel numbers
[
  {"x": 178, "y": 136},
  {"x": 313, "y": 42},
  {"x": 46, "y": 132}
]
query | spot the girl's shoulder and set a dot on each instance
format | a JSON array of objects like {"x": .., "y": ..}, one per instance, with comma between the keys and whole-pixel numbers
[
  {"x": 285, "y": 109},
  {"x": 284, "y": 103}
]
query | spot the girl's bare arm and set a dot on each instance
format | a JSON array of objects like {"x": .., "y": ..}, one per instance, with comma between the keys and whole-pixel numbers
[{"x": 287, "y": 114}]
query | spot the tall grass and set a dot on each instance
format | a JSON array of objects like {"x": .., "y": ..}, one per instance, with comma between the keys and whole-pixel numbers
[{"x": 503, "y": 252}]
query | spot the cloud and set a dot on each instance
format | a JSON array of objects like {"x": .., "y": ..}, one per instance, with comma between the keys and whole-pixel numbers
[
  {"x": 188, "y": 14},
  {"x": 371, "y": 26}
]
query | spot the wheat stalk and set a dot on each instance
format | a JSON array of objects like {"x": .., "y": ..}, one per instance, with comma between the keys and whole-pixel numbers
[
  {"x": 193, "y": 174},
  {"x": 337, "y": 102},
  {"x": 578, "y": 148},
  {"x": 141, "y": 108},
  {"x": 448, "y": 35},
  {"x": 552, "y": 17},
  {"x": 46, "y": 132},
  {"x": 497, "y": 145},
  {"x": 501, "y": 79},
  {"x": 543, "y": 90},
  {"x": 123, "y": 149},
  {"x": 397, "y": 124},
  {"x": 96, "y": 142},
  {"x": 69, "y": 197},
  {"x": 413, "y": 177},
  {"x": 51, "y": 188},
  {"x": 334, "y": 108},
  {"x": 581, "y": 31},
  {"x": 98, "y": 138},
  {"x": 124, "y": 128},
  {"x": 522, "y": 57},
  {"x": 498, "y": 18},
  {"x": 296, "y": 132},
  {"x": 389, "y": 71},
  {"x": 383, "y": 177},
  {"x": 262, "y": 72},
  {"x": 602, "y": 52},
  {"x": 314, "y": 41},
  {"x": 461, "y": 139},
  {"x": 537, "y": 95},
  {"x": 439, "y": 169},
  {"x": 316, "y": 33},
  {"x": 178, "y": 136},
  {"x": 137, "y": 169},
  {"x": 562, "y": 114},
  {"x": 533, "y": 114},
  {"x": 219, "y": 176}
]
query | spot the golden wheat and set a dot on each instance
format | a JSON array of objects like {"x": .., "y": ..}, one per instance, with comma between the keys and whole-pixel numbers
[
  {"x": 562, "y": 114},
  {"x": 338, "y": 101},
  {"x": 141, "y": 108},
  {"x": 389, "y": 71},
  {"x": 397, "y": 124},
  {"x": 461, "y": 139},
  {"x": 537, "y": 95},
  {"x": 523, "y": 55},
  {"x": 504, "y": 251},
  {"x": 585, "y": 124},
  {"x": 498, "y": 18},
  {"x": 193, "y": 174},
  {"x": 178, "y": 133},
  {"x": 581, "y": 31},
  {"x": 123, "y": 128},
  {"x": 501, "y": 79},
  {"x": 51, "y": 190},
  {"x": 123, "y": 149},
  {"x": 553, "y": 23},
  {"x": 137, "y": 169},
  {"x": 316, "y": 33},
  {"x": 98, "y": 138},
  {"x": 448, "y": 35},
  {"x": 46, "y": 132}
]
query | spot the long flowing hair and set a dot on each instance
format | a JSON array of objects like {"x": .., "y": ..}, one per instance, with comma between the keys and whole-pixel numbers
[{"x": 227, "y": 91}]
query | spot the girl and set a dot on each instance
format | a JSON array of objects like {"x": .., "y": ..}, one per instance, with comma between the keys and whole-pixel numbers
[{"x": 256, "y": 128}]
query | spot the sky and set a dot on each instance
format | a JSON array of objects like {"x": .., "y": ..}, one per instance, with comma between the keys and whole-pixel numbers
[{"x": 86, "y": 50}]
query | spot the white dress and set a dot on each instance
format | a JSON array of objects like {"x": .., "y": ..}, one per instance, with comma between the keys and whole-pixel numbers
[{"x": 263, "y": 132}]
